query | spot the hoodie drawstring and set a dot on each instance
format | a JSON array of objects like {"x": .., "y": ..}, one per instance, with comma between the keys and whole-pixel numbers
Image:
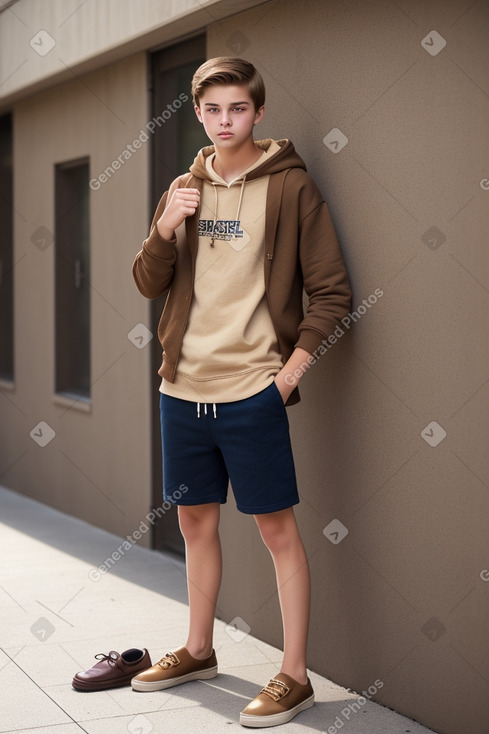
[
  {"x": 215, "y": 213},
  {"x": 214, "y": 409},
  {"x": 240, "y": 197},
  {"x": 216, "y": 201}
]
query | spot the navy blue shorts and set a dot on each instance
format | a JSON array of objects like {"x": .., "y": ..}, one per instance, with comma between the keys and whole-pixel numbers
[{"x": 244, "y": 441}]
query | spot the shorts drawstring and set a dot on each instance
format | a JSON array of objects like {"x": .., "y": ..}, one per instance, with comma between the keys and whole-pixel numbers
[{"x": 214, "y": 409}]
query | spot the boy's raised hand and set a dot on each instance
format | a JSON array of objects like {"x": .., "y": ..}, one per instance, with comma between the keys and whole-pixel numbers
[{"x": 183, "y": 203}]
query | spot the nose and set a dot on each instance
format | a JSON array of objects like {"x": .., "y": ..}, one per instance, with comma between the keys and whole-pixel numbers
[{"x": 225, "y": 121}]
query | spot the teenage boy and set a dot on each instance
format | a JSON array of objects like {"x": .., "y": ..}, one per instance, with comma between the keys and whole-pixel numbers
[{"x": 234, "y": 243}]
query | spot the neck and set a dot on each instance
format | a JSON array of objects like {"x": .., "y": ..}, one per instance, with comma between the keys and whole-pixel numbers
[{"x": 229, "y": 163}]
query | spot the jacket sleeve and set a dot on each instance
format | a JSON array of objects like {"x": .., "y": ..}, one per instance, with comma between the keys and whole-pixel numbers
[
  {"x": 324, "y": 273},
  {"x": 153, "y": 266}
]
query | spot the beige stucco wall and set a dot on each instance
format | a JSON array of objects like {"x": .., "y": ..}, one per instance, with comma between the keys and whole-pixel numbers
[
  {"x": 98, "y": 465},
  {"x": 416, "y": 158},
  {"x": 418, "y": 147}
]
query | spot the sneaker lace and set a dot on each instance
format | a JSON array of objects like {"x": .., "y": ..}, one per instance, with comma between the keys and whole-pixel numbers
[
  {"x": 275, "y": 689},
  {"x": 111, "y": 658},
  {"x": 168, "y": 661}
]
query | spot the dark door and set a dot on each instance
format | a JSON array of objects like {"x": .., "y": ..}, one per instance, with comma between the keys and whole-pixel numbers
[
  {"x": 6, "y": 250},
  {"x": 177, "y": 138}
]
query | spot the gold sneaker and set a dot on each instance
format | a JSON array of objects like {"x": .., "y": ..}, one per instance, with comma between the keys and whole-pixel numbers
[
  {"x": 175, "y": 668},
  {"x": 277, "y": 703}
]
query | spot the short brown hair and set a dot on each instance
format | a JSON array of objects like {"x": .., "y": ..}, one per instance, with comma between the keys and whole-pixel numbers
[{"x": 228, "y": 70}]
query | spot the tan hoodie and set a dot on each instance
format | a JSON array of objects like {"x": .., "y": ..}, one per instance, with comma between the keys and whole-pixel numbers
[
  {"x": 301, "y": 253},
  {"x": 229, "y": 349}
]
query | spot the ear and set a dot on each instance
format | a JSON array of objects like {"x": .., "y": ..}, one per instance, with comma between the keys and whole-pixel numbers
[
  {"x": 198, "y": 113},
  {"x": 259, "y": 115}
]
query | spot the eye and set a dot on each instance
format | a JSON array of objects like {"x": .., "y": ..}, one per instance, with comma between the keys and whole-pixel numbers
[{"x": 239, "y": 109}]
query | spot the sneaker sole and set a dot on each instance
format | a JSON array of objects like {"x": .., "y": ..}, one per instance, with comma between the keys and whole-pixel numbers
[
  {"x": 160, "y": 685},
  {"x": 275, "y": 719}
]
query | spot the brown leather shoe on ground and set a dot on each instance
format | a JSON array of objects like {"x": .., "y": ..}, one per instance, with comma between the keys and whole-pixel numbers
[
  {"x": 113, "y": 670},
  {"x": 175, "y": 668},
  {"x": 277, "y": 703}
]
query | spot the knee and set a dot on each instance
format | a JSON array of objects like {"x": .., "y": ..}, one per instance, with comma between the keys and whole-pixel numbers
[
  {"x": 197, "y": 522},
  {"x": 276, "y": 536}
]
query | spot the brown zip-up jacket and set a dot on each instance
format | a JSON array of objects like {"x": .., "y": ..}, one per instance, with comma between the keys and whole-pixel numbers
[{"x": 301, "y": 253}]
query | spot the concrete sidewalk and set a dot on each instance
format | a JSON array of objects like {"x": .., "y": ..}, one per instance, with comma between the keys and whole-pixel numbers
[{"x": 57, "y": 612}]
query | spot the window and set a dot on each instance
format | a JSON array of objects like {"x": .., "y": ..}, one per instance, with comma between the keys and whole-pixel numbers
[
  {"x": 6, "y": 251},
  {"x": 72, "y": 279}
]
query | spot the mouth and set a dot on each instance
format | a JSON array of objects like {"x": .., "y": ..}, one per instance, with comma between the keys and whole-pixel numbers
[{"x": 225, "y": 135}]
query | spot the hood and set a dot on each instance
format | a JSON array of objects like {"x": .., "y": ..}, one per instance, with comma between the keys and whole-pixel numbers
[{"x": 284, "y": 158}]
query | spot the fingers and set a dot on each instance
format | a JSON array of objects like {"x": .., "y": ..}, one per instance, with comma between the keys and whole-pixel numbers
[
  {"x": 183, "y": 203},
  {"x": 187, "y": 200},
  {"x": 188, "y": 194}
]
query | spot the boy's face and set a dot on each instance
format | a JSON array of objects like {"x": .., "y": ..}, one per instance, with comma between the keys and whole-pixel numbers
[{"x": 228, "y": 115}]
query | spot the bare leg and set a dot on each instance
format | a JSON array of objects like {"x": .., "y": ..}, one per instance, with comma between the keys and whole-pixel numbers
[
  {"x": 200, "y": 528},
  {"x": 280, "y": 534}
]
